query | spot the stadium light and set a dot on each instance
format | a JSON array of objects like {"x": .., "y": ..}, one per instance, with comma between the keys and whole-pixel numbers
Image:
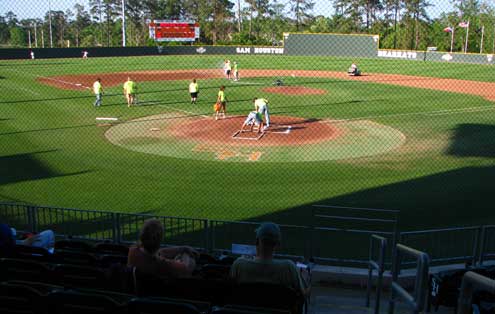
[
  {"x": 123, "y": 23},
  {"x": 50, "y": 22}
]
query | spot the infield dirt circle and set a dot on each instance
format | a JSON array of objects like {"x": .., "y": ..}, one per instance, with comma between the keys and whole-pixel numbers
[{"x": 289, "y": 139}]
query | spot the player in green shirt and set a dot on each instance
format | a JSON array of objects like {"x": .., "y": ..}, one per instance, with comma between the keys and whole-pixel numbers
[
  {"x": 130, "y": 91},
  {"x": 223, "y": 103}
]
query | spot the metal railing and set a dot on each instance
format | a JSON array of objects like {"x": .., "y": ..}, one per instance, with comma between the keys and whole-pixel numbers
[
  {"x": 487, "y": 245},
  {"x": 379, "y": 266},
  {"x": 447, "y": 245},
  {"x": 356, "y": 225},
  {"x": 417, "y": 300},
  {"x": 471, "y": 282}
]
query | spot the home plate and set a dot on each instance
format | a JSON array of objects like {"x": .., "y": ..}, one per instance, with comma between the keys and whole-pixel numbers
[
  {"x": 155, "y": 129},
  {"x": 78, "y": 84}
]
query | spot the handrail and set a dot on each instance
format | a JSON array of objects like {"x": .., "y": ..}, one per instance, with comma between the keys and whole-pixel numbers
[
  {"x": 417, "y": 300},
  {"x": 471, "y": 282},
  {"x": 379, "y": 267}
]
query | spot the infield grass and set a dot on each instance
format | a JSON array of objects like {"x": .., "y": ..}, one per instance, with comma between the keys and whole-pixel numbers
[{"x": 52, "y": 152}]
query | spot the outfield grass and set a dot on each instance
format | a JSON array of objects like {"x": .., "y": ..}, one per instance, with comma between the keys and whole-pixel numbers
[{"x": 52, "y": 153}]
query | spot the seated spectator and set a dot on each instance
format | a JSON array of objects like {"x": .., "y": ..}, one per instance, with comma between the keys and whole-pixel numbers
[
  {"x": 264, "y": 268},
  {"x": 147, "y": 256},
  {"x": 7, "y": 241},
  {"x": 45, "y": 239}
]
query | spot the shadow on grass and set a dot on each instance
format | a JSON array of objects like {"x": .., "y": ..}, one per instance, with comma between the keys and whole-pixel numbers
[
  {"x": 27, "y": 167},
  {"x": 473, "y": 140}
]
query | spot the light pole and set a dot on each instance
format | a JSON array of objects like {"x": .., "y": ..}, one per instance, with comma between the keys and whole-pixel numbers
[
  {"x": 35, "y": 35},
  {"x": 123, "y": 23},
  {"x": 29, "y": 38},
  {"x": 50, "y": 22}
]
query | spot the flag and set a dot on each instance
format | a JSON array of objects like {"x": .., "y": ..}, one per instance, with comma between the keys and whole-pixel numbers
[
  {"x": 448, "y": 29},
  {"x": 464, "y": 24}
]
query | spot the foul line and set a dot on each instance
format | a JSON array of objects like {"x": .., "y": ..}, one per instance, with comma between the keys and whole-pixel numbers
[
  {"x": 426, "y": 113},
  {"x": 64, "y": 82}
]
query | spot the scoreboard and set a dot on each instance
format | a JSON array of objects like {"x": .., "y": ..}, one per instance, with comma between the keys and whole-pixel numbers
[{"x": 172, "y": 30}]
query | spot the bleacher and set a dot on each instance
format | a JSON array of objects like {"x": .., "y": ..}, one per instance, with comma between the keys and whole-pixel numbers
[
  {"x": 84, "y": 278},
  {"x": 80, "y": 277}
]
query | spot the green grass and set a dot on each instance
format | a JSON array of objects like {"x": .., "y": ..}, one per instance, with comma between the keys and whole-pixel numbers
[{"x": 52, "y": 153}]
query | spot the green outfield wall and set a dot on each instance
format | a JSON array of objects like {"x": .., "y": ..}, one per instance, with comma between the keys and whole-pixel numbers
[{"x": 344, "y": 45}]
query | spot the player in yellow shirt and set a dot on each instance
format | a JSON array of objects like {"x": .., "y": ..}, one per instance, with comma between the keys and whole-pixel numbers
[
  {"x": 194, "y": 90},
  {"x": 223, "y": 103},
  {"x": 130, "y": 91},
  {"x": 98, "y": 91}
]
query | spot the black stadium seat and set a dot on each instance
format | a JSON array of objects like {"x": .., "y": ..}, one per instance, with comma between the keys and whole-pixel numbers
[
  {"x": 18, "y": 299},
  {"x": 23, "y": 269},
  {"x": 111, "y": 248},
  {"x": 74, "y": 245},
  {"x": 74, "y": 302},
  {"x": 160, "y": 306},
  {"x": 77, "y": 276},
  {"x": 266, "y": 295}
]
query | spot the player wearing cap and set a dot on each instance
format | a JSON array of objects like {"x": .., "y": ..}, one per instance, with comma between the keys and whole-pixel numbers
[
  {"x": 264, "y": 267},
  {"x": 261, "y": 106}
]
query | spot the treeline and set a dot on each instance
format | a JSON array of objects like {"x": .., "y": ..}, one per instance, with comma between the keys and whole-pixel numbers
[{"x": 401, "y": 24}]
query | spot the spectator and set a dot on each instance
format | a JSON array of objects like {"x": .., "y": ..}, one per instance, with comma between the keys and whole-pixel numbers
[
  {"x": 45, "y": 239},
  {"x": 147, "y": 256},
  {"x": 264, "y": 268},
  {"x": 7, "y": 241}
]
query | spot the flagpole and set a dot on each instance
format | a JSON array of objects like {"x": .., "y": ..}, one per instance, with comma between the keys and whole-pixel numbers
[
  {"x": 482, "y": 36},
  {"x": 467, "y": 36},
  {"x": 452, "y": 40}
]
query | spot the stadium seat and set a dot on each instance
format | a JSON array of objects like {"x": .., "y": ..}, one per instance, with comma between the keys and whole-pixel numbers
[
  {"x": 17, "y": 299},
  {"x": 32, "y": 252},
  {"x": 74, "y": 257},
  {"x": 160, "y": 306},
  {"x": 73, "y": 245},
  {"x": 42, "y": 287},
  {"x": 107, "y": 260},
  {"x": 22, "y": 269},
  {"x": 237, "y": 309},
  {"x": 266, "y": 295},
  {"x": 77, "y": 276},
  {"x": 74, "y": 302},
  {"x": 215, "y": 271},
  {"x": 111, "y": 248},
  {"x": 216, "y": 292}
]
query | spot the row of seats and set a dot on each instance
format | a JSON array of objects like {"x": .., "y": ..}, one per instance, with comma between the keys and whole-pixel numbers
[
  {"x": 215, "y": 289},
  {"x": 35, "y": 298},
  {"x": 444, "y": 289}
]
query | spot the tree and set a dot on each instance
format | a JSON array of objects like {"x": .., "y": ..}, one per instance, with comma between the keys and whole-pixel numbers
[
  {"x": 17, "y": 37},
  {"x": 81, "y": 21},
  {"x": 301, "y": 10}
]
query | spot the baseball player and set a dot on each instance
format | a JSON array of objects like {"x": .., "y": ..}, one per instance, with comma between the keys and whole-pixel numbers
[
  {"x": 223, "y": 103},
  {"x": 98, "y": 91},
  {"x": 253, "y": 118},
  {"x": 130, "y": 91},
  {"x": 193, "y": 91},
  {"x": 261, "y": 106}
]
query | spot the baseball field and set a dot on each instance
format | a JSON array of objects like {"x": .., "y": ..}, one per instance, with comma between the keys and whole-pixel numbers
[{"x": 408, "y": 135}]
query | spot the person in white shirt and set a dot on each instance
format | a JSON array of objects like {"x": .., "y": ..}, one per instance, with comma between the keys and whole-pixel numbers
[{"x": 193, "y": 91}]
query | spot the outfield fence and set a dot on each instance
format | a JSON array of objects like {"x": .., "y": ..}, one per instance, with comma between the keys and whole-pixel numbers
[{"x": 322, "y": 241}]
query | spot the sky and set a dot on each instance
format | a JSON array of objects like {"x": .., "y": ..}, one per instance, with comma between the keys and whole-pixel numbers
[{"x": 37, "y": 8}]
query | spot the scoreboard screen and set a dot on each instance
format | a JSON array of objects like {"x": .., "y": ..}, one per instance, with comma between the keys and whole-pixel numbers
[{"x": 164, "y": 30}]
